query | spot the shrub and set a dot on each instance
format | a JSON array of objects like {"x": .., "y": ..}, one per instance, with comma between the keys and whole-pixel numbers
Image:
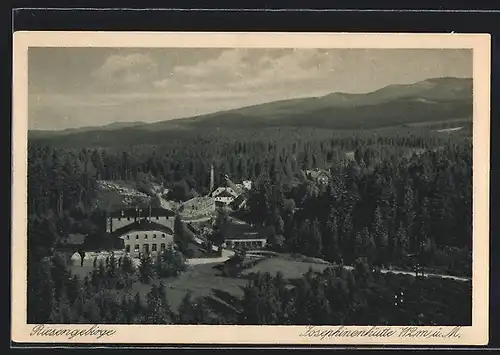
[{"x": 170, "y": 263}]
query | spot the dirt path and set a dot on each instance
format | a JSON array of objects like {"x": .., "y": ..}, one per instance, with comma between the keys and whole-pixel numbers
[
  {"x": 383, "y": 271},
  {"x": 203, "y": 219},
  {"x": 226, "y": 254},
  {"x": 449, "y": 129},
  {"x": 457, "y": 278}
]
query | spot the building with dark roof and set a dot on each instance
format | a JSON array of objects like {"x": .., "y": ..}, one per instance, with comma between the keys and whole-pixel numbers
[
  {"x": 239, "y": 202},
  {"x": 244, "y": 236},
  {"x": 144, "y": 236},
  {"x": 228, "y": 191},
  {"x": 142, "y": 212},
  {"x": 123, "y": 217},
  {"x": 72, "y": 241},
  {"x": 224, "y": 195},
  {"x": 236, "y": 188}
]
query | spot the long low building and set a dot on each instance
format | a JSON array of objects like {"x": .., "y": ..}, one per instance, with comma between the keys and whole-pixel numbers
[{"x": 244, "y": 236}]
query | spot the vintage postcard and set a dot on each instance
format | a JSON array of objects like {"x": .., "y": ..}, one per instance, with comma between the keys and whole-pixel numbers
[{"x": 250, "y": 188}]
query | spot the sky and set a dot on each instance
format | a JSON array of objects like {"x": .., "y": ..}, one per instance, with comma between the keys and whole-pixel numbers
[{"x": 77, "y": 87}]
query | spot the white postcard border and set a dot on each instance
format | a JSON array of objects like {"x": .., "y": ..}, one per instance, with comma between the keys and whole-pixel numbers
[{"x": 477, "y": 334}]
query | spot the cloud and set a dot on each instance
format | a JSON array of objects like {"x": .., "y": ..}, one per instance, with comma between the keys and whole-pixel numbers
[
  {"x": 246, "y": 69},
  {"x": 127, "y": 70},
  {"x": 210, "y": 73},
  {"x": 298, "y": 66},
  {"x": 230, "y": 63},
  {"x": 238, "y": 71}
]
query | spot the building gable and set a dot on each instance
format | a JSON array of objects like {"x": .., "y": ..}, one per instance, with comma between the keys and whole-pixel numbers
[
  {"x": 142, "y": 225},
  {"x": 226, "y": 193}
]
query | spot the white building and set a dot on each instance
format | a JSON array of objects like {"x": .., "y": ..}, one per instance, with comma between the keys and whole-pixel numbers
[
  {"x": 224, "y": 195},
  {"x": 247, "y": 184},
  {"x": 229, "y": 191},
  {"x": 144, "y": 237}
]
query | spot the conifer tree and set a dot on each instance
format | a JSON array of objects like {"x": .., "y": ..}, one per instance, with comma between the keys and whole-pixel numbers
[
  {"x": 201, "y": 313},
  {"x": 138, "y": 306},
  {"x": 61, "y": 311},
  {"x": 186, "y": 310},
  {"x": 331, "y": 239},
  {"x": 112, "y": 267},
  {"x": 316, "y": 243},
  {"x": 60, "y": 275},
  {"x": 41, "y": 297},
  {"x": 250, "y": 314},
  {"x": 380, "y": 237},
  {"x": 127, "y": 266},
  {"x": 73, "y": 289},
  {"x": 146, "y": 269},
  {"x": 157, "y": 310},
  {"x": 320, "y": 307}
]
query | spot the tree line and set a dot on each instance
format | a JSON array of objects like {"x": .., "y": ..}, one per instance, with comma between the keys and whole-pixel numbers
[{"x": 335, "y": 296}]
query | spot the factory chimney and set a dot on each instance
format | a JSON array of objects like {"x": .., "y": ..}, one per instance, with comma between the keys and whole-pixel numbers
[{"x": 211, "y": 177}]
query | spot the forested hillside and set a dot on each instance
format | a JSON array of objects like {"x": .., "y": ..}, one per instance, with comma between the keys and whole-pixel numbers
[
  {"x": 390, "y": 194},
  {"x": 427, "y": 103}
]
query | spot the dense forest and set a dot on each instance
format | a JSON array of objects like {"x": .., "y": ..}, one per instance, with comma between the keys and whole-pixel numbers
[
  {"x": 397, "y": 195},
  {"x": 335, "y": 296},
  {"x": 392, "y": 194}
]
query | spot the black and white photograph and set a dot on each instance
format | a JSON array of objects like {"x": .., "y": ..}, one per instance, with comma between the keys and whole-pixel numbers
[{"x": 255, "y": 186}]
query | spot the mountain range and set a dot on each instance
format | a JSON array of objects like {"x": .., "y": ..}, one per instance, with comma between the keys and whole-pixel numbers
[{"x": 429, "y": 101}]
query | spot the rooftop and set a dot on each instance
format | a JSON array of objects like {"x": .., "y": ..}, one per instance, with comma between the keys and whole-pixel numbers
[
  {"x": 192, "y": 228},
  {"x": 141, "y": 225},
  {"x": 239, "y": 200},
  {"x": 142, "y": 212},
  {"x": 226, "y": 182},
  {"x": 236, "y": 188},
  {"x": 242, "y": 231},
  {"x": 225, "y": 193},
  {"x": 73, "y": 239}
]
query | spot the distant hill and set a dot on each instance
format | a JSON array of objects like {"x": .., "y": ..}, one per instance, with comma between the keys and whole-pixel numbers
[
  {"x": 424, "y": 103},
  {"x": 428, "y": 100},
  {"x": 108, "y": 127}
]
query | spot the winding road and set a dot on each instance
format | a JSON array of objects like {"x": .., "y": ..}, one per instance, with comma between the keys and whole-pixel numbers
[
  {"x": 383, "y": 271},
  {"x": 226, "y": 254}
]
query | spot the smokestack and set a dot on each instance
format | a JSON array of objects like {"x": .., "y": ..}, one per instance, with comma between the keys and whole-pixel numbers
[{"x": 211, "y": 177}]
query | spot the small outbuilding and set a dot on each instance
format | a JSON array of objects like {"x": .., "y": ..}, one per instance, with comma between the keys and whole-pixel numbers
[{"x": 72, "y": 241}]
